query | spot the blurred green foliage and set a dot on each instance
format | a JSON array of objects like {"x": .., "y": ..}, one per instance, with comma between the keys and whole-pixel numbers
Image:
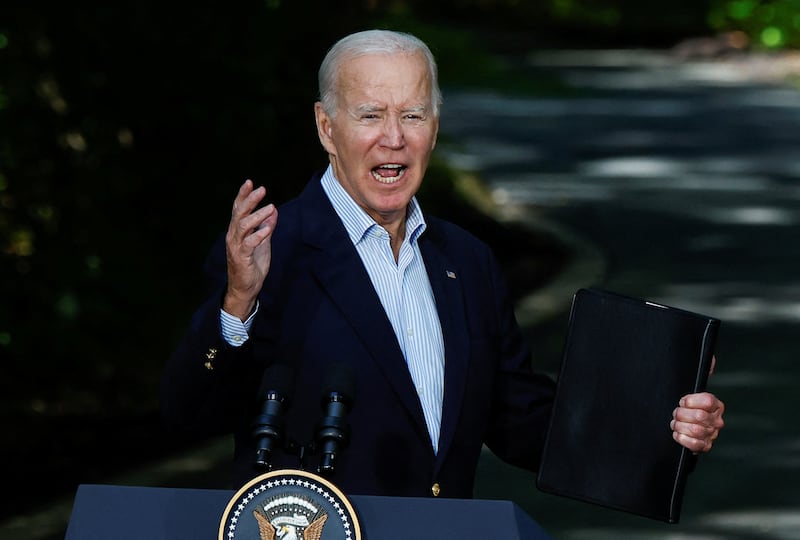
[
  {"x": 127, "y": 128},
  {"x": 769, "y": 24},
  {"x": 568, "y": 23},
  {"x": 125, "y": 125}
]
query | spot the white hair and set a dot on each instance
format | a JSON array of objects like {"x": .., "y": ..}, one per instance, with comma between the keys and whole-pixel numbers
[{"x": 371, "y": 42}]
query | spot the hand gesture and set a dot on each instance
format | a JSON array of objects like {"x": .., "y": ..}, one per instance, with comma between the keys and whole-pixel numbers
[{"x": 248, "y": 245}]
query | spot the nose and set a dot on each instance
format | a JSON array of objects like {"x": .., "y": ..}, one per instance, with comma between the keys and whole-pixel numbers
[{"x": 393, "y": 136}]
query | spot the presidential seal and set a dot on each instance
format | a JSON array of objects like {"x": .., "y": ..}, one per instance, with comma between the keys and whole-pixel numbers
[{"x": 289, "y": 505}]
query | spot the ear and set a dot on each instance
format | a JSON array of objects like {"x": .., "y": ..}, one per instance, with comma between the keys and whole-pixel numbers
[{"x": 324, "y": 128}]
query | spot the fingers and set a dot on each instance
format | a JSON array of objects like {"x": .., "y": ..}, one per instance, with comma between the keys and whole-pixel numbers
[
  {"x": 244, "y": 215},
  {"x": 696, "y": 437},
  {"x": 248, "y": 249},
  {"x": 250, "y": 225},
  {"x": 258, "y": 226},
  {"x": 697, "y": 421},
  {"x": 247, "y": 198},
  {"x": 702, "y": 400}
]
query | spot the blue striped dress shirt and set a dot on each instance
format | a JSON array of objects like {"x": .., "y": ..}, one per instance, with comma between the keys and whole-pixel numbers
[{"x": 404, "y": 291}]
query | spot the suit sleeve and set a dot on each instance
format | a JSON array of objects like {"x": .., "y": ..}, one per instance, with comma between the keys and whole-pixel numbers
[
  {"x": 522, "y": 398},
  {"x": 207, "y": 385}
]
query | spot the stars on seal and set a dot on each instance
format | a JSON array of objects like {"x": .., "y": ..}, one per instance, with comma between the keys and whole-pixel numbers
[{"x": 290, "y": 501}]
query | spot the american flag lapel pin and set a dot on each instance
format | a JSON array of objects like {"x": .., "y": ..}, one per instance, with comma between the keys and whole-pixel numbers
[{"x": 450, "y": 274}]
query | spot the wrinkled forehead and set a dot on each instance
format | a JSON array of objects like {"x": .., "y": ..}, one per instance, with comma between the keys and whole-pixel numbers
[{"x": 400, "y": 76}]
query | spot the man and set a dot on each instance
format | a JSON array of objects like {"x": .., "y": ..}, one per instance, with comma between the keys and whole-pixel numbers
[{"x": 354, "y": 273}]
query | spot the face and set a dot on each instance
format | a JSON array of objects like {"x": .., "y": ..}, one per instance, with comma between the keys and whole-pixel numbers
[{"x": 382, "y": 135}]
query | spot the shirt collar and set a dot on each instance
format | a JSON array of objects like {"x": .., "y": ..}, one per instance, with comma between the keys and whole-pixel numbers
[{"x": 356, "y": 221}]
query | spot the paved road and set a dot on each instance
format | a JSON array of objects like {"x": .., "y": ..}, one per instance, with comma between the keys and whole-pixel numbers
[{"x": 681, "y": 181}]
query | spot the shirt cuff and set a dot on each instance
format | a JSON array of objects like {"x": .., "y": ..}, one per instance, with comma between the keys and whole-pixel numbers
[{"x": 234, "y": 331}]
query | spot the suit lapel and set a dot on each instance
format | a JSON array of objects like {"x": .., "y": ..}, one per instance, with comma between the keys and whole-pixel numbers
[
  {"x": 338, "y": 267},
  {"x": 447, "y": 289}
]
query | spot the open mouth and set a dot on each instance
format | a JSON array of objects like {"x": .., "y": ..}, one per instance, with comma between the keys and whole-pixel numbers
[{"x": 388, "y": 173}]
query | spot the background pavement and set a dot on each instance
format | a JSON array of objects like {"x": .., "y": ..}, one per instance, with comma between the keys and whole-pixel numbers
[{"x": 677, "y": 181}]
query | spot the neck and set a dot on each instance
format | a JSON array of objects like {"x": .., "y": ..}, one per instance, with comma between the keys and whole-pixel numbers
[{"x": 397, "y": 233}]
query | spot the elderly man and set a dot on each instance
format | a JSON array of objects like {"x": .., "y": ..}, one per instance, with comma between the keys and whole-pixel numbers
[{"x": 353, "y": 272}]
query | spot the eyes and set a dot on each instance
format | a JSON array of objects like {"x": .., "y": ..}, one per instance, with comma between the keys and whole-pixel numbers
[{"x": 405, "y": 117}]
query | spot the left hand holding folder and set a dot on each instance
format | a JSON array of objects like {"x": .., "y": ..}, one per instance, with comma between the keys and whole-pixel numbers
[{"x": 697, "y": 420}]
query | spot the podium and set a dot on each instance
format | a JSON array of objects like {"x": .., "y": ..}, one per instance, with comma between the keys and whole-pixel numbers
[{"x": 127, "y": 512}]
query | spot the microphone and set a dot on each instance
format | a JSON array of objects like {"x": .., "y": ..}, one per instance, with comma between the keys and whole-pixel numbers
[
  {"x": 268, "y": 427},
  {"x": 333, "y": 432}
]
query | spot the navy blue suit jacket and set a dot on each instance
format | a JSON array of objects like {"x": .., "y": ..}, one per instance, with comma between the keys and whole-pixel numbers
[{"x": 318, "y": 306}]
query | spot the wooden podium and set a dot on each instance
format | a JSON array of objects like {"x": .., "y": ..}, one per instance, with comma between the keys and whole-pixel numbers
[{"x": 126, "y": 513}]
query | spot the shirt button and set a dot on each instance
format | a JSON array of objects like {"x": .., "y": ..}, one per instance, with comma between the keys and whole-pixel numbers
[
  {"x": 237, "y": 338},
  {"x": 436, "y": 489}
]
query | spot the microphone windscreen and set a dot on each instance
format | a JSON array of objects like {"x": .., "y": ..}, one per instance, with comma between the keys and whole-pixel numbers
[
  {"x": 339, "y": 379},
  {"x": 277, "y": 378}
]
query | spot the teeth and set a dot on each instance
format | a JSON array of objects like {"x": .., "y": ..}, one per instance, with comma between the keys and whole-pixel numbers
[
  {"x": 388, "y": 180},
  {"x": 391, "y": 179}
]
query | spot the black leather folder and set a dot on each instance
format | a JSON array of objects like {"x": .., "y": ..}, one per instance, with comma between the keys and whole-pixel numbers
[{"x": 626, "y": 364}]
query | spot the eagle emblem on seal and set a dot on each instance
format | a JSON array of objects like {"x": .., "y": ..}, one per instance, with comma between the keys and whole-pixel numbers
[
  {"x": 289, "y": 504},
  {"x": 290, "y": 518}
]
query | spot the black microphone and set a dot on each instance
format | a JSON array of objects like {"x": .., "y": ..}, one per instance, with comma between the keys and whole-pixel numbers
[
  {"x": 268, "y": 427},
  {"x": 333, "y": 432}
]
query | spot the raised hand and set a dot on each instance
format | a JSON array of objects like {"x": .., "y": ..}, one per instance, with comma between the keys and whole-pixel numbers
[{"x": 248, "y": 245}]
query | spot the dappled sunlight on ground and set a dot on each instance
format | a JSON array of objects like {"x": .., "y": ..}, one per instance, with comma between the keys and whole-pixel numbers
[
  {"x": 617, "y": 534},
  {"x": 679, "y": 182},
  {"x": 765, "y": 524},
  {"x": 754, "y": 303},
  {"x": 768, "y": 523}
]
